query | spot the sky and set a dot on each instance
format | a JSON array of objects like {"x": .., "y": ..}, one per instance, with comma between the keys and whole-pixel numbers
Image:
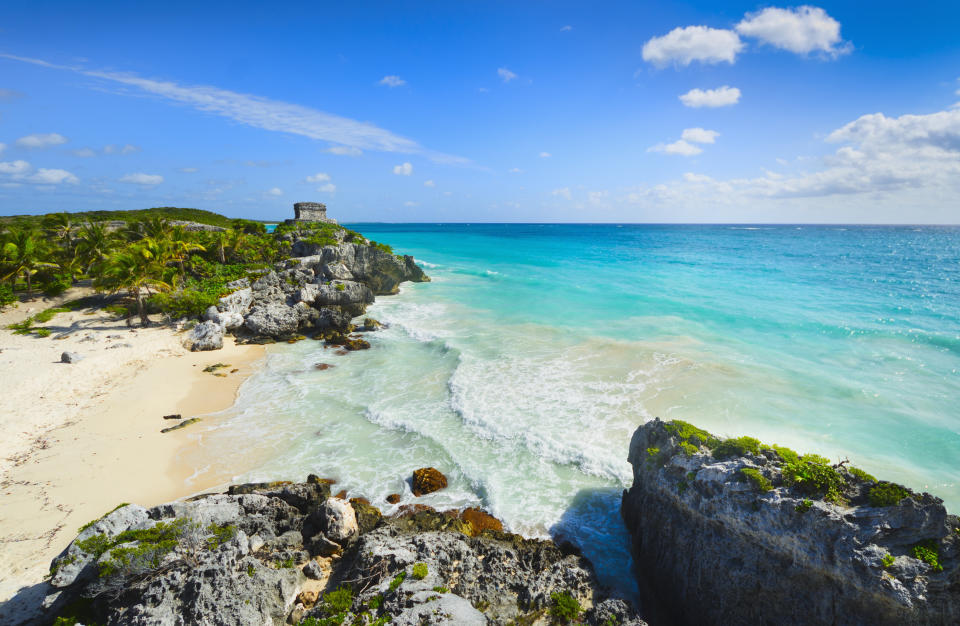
[{"x": 485, "y": 111}]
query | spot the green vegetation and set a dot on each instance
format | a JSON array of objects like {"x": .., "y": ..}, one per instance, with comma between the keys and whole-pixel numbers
[
  {"x": 804, "y": 506},
  {"x": 736, "y": 446},
  {"x": 376, "y": 602},
  {"x": 688, "y": 448},
  {"x": 564, "y": 608},
  {"x": 755, "y": 478},
  {"x": 251, "y": 570},
  {"x": 153, "y": 263},
  {"x": 340, "y": 287},
  {"x": 682, "y": 487},
  {"x": 929, "y": 552},
  {"x": 338, "y": 601},
  {"x": 861, "y": 475},
  {"x": 287, "y": 563},
  {"x": 220, "y": 535},
  {"x": 887, "y": 560},
  {"x": 397, "y": 581},
  {"x": 441, "y": 589},
  {"x": 887, "y": 494},
  {"x": 419, "y": 571},
  {"x": 686, "y": 431},
  {"x": 813, "y": 475},
  {"x": 94, "y": 521}
]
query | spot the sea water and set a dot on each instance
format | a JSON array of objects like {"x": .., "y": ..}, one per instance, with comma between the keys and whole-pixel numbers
[{"x": 523, "y": 368}]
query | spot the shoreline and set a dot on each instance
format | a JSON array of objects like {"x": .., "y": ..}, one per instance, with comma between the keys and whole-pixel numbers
[{"x": 89, "y": 432}]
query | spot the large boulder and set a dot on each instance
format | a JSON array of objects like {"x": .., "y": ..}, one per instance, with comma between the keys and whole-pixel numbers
[
  {"x": 272, "y": 319},
  {"x": 226, "y": 320},
  {"x": 204, "y": 336},
  {"x": 724, "y": 532},
  {"x": 339, "y": 520},
  {"x": 237, "y": 302},
  {"x": 352, "y": 296},
  {"x": 427, "y": 480}
]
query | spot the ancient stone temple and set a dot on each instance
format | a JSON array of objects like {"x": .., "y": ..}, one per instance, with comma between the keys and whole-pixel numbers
[{"x": 311, "y": 212}]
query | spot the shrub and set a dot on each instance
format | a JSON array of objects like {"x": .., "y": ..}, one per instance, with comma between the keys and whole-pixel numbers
[
  {"x": 220, "y": 535},
  {"x": 788, "y": 455},
  {"x": 928, "y": 552},
  {"x": 804, "y": 506},
  {"x": 737, "y": 446},
  {"x": 861, "y": 475},
  {"x": 43, "y": 332},
  {"x": 56, "y": 285},
  {"x": 688, "y": 448},
  {"x": 887, "y": 494},
  {"x": 397, "y": 581},
  {"x": 564, "y": 608},
  {"x": 340, "y": 287},
  {"x": 376, "y": 602},
  {"x": 758, "y": 480},
  {"x": 7, "y": 296},
  {"x": 688, "y": 432},
  {"x": 441, "y": 589},
  {"x": 419, "y": 571},
  {"x": 381, "y": 246},
  {"x": 338, "y": 601},
  {"x": 812, "y": 475},
  {"x": 188, "y": 302},
  {"x": 887, "y": 561}
]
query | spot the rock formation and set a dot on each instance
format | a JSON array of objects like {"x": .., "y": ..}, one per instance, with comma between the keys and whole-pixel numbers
[
  {"x": 735, "y": 532},
  {"x": 275, "y": 553}
]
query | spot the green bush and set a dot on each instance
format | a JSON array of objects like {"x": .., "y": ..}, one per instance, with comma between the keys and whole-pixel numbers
[
  {"x": 397, "y": 581},
  {"x": 441, "y": 589},
  {"x": 929, "y": 552},
  {"x": 7, "y": 296},
  {"x": 686, "y": 431},
  {"x": 381, "y": 246},
  {"x": 812, "y": 474},
  {"x": 861, "y": 475},
  {"x": 43, "y": 332},
  {"x": 804, "y": 506},
  {"x": 887, "y": 494},
  {"x": 188, "y": 302},
  {"x": 419, "y": 571},
  {"x": 338, "y": 601},
  {"x": 564, "y": 608},
  {"x": 737, "y": 446},
  {"x": 758, "y": 480},
  {"x": 788, "y": 455},
  {"x": 887, "y": 561},
  {"x": 688, "y": 448},
  {"x": 56, "y": 285}
]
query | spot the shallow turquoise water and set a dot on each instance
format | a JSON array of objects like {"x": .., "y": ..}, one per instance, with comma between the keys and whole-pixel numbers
[{"x": 523, "y": 368}]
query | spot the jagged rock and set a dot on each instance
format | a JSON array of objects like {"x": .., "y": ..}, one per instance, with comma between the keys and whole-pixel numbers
[
  {"x": 204, "y": 336},
  {"x": 393, "y": 498},
  {"x": 352, "y": 296},
  {"x": 237, "y": 302},
  {"x": 313, "y": 570},
  {"x": 272, "y": 319},
  {"x": 368, "y": 516},
  {"x": 339, "y": 520},
  {"x": 427, "y": 480},
  {"x": 70, "y": 357},
  {"x": 227, "y": 320},
  {"x": 712, "y": 547}
]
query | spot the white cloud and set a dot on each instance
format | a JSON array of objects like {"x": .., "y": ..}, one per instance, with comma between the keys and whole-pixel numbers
[
  {"x": 42, "y": 140},
  {"x": 683, "y": 46},
  {"x": 563, "y": 192},
  {"x": 403, "y": 170},
  {"x": 140, "y": 178},
  {"x": 328, "y": 188},
  {"x": 392, "y": 81},
  {"x": 699, "y": 135},
  {"x": 506, "y": 74},
  {"x": 801, "y": 30},
  {"x": 84, "y": 153},
  {"x": 429, "y": 183},
  {"x": 711, "y": 98},
  {"x": 125, "y": 149},
  {"x": 690, "y": 177},
  {"x": 276, "y": 191},
  {"x": 188, "y": 170},
  {"x": 410, "y": 203},
  {"x": 14, "y": 168},
  {"x": 566, "y": 29},
  {"x": 345, "y": 150},
  {"x": 44, "y": 176},
  {"x": 598, "y": 197},
  {"x": 319, "y": 177},
  {"x": 680, "y": 147},
  {"x": 545, "y": 155},
  {"x": 264, "y": 113},
  {"x": 516, "y": 170}
]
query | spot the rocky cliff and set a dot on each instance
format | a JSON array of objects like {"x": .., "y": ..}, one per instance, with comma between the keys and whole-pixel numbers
[
  {"x": 318, "y": 290},
  {"x": 736, "y": 532},
  {"x": 289, "y": 553}
]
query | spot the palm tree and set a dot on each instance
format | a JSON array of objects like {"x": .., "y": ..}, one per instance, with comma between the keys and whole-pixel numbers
[
  {"x": 61, "y": 226},
  {"x": 94, "y": 243},
  {"x": 236, "y": 242},
  {"x": 23, "y": 254},
  {"x": 137, "y": 269},
  {"x": 180, "y": 246}
]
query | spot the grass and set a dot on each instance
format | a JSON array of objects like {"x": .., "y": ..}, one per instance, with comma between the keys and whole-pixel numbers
[
  {"x": 441, "y": 589},
  {"x": 397, "y": 581},
  {"x": 338, "y": 601}
]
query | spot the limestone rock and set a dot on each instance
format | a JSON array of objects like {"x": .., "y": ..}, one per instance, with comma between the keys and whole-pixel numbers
[
  {"x": 340, "y": 520},
  {"x": 70, "y": 357},
  {"x": 272, "y": 319},
  {"x": 237, "y": 302},
  {"x": 427, "y": 480},
  {"x": 204, "y": 336}
]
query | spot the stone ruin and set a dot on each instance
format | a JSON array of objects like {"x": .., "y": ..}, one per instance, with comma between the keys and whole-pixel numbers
[{"x": 311, "y": 212}]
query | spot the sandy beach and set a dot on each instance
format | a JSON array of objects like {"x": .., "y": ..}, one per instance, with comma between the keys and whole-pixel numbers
[{"x": 81, "y": 438}]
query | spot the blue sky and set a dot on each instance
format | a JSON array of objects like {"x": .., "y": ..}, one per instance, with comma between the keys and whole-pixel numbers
[{"x": 521, "y": 111}]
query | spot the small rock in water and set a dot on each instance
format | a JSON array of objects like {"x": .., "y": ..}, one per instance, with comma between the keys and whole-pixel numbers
[
  {"x": 174, "y": 416},
  {"x": 234, "y": 370},
  {"x": 341, "y": 352},
  {"x": 313, "y": 479},
  {"x": 323, "y": 366},
  {"x": 342, "y": 495},
  {"x": 393, "y": 498},
  {"x": 70, "y": 357},
  {"x": 427, "y": 480}
]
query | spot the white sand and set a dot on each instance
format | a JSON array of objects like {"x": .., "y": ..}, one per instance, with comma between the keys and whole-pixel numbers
[{"x": 80, "y": 438}]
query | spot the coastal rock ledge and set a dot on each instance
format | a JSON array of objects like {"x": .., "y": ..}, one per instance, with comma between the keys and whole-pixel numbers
[
  {"x": 289, "y": 553},
  {"x": 730, "y": 531}
]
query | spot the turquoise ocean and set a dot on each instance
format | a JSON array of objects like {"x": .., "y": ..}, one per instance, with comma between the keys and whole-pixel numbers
[{"x": 522, "y": 370}]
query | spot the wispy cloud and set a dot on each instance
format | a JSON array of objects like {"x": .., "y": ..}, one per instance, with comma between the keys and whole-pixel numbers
[
  {"x": 506, "y": 74},
  {"x": 711, "y": 98},
  {"x": 21, "y": 171},
  {"x": 319, "y": 177},
  {"x": 392, "y": 81},
  {"x": 404, "y": 169},
  {"x": 545, "y": 155},
  {"x": 140, "y": 178},
  {"x": 563, "y": 192},
  {"x": 345, "y": 151},
  {"x": 566, "y": 29},
  {"x": 429, "y": 183},
  {"x": 42, "y": 140},
  {"x": 276, "y": 191},
  {"x": 264, "y": 113}
]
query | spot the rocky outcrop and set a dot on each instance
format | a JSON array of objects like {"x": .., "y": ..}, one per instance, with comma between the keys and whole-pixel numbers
[
  {"x": 427, "y": 480},
  {"x": 735, "y": 532},
  {"x": 274, "y": 553},
  {"x": 205, "y": 336}
]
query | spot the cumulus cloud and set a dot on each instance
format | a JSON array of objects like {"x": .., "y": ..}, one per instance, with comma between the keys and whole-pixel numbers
[
  {"x": 711, "y": 98},
  {"x": 699, "y": 135},
  {"x": 264, "y": 113},
  {"x": 429, "y": 183},
  {"x": 21, "y": 171},
  {"x": 563, "y": 192},
  {"x": 680, "y": 147},
  {"x": 392, "y": 81},
  {"x": 683, "y": 46},
  {"x": 42, "y": 140},
  {"x": 276, "y": 191},
  {"x": 15, "y": 168},
  {"x": 506, "y": 74},
  {"x": 319, "y": 177},
  {"x": 404, "y": 169},
  {"x": 801, "y": 30},
  {"x": 328, "y": 188},
  {"x": 139, "y": 178},
  {"x": 345, "y": 150}
]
